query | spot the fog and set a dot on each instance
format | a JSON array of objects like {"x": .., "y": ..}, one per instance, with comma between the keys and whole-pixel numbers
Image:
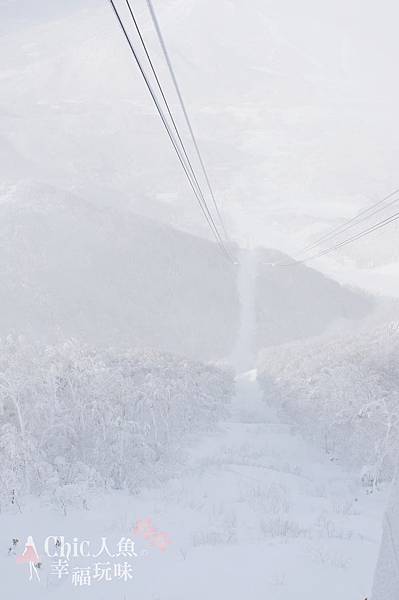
[
  {"x": 225, "y": 407},
  {"x": 294, "y": 106}
]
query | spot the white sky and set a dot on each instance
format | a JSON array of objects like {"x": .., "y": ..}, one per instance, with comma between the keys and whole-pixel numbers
[{"x": 295, "y": 106}]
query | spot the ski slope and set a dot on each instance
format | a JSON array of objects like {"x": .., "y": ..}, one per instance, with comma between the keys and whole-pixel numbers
[{"x": 253, "y": 511}]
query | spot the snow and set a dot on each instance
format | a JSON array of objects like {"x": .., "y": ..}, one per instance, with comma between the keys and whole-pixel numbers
[
  {"x": 111, "y": 277},
  {"x": 244, "y": 498},
  {"x": 297, "y": 302},
  {"x": 112, "y": 291},
  {"x": 252, "y": 507},
  {"x": 244, "y": 351},
  {"x": 341, "y": 391},
  {"x": 245, "y": 501},
  {"x": 386, "y": 582},
  {"x": 74, "y": 420}
]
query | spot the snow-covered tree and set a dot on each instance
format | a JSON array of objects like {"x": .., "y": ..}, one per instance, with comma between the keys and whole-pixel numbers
[{"x": 73, "y": 418}]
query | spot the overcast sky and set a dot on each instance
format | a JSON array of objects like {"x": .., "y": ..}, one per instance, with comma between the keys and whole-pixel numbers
[{"x": 295, "y": 106}]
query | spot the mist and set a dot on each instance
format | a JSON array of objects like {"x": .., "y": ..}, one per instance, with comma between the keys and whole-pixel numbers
[{"x": 199, "y": 339}]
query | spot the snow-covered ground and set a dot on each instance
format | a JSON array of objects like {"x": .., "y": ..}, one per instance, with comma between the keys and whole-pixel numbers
[
  {"x": 294, "y": 106},
  {"x": 253, "y": 511}
]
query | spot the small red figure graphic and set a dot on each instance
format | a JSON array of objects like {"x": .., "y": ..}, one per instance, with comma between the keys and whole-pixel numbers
[{"x": 30, "y": 555}]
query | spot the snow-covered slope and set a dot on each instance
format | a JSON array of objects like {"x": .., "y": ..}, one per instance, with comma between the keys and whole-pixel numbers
[
  {"x": 342, "y": 391},
  {"x": 386, "y": 580},
  {"x": 252, "y": 511},
  {"x": 109, "y": 277},
  {"x": 294, "y": 302},
  {"x": 74, "y": 419}
]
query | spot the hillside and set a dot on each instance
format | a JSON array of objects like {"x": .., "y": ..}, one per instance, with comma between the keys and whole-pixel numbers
[
  {"x": 297, "y": 302},
  {"x": 166, "y": 413},
  {"x": 342, "y": 392},
  {"x": 110, "y": 277}
]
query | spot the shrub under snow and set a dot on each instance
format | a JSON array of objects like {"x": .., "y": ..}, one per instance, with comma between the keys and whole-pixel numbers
[
  {"x": 73, "y": 418},
  {"x": 342, "y": 391}
]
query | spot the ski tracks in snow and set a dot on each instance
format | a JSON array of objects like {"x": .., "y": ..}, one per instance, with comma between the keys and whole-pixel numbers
[{"x": 258, "y": 513}]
